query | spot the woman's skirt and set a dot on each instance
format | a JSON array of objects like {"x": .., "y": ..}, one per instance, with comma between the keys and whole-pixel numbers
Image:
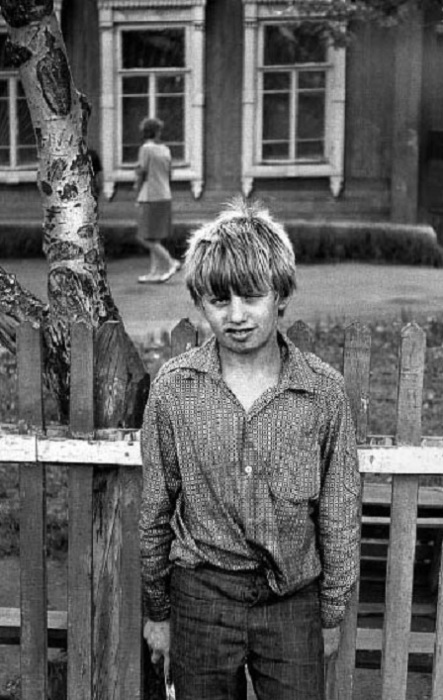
[{"x": 154, "y": 220}]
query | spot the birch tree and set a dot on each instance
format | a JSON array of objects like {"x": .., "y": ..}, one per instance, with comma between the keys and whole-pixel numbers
[{"x": 78, "y": 287}]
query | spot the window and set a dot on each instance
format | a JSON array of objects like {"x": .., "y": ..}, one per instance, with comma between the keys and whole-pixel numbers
[
  {"x": 17, "y": 140},
  {"x": 153, "y": 82},
  {"x": 152, "y": 65},
  {"x": 293, "y": 107},
  {"x": 292, "y": 94}
]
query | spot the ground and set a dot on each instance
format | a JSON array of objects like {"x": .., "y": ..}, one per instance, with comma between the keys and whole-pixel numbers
[
  {"x": 346, "y": 291},
  {"x": 325, "y": 292}
]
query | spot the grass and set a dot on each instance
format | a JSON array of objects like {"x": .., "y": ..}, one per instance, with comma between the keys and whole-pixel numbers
[{"x": 328, "y": 340}]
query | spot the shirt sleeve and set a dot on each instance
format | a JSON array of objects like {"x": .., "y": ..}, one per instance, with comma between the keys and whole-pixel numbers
[
  {"x": 161, "y": 485},
  {"x": 339, "y": 513}
]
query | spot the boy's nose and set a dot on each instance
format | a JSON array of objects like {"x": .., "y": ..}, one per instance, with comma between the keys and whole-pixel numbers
[{"x": 237, "y": 309}]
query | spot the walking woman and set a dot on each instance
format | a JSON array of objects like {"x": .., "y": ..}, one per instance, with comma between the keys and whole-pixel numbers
[{"x": 153, "y": 194}]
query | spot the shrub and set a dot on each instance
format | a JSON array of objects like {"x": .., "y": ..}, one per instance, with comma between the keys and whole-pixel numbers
[
  {"x": 369, "y": 242},
  {"x": 314, "y": 241}
]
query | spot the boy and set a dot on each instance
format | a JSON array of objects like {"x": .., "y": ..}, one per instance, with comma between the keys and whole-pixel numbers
[{"x": 251, "y": 500}]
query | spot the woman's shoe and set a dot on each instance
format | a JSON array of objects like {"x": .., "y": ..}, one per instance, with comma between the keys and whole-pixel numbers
[
  {"x": 150, "y": 279},
  {"x": 175, "y": 267}
]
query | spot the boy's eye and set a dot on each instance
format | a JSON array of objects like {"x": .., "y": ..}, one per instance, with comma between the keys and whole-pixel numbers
[
  {"x": 253, "y": 297},
  {"x": 218, "y": 302}
]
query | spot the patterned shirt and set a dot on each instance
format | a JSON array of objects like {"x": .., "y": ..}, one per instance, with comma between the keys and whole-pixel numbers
[{"x": 275, "y": 488}]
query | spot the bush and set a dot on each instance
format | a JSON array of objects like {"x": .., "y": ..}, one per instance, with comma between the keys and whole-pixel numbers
[
  {"x": 370, "y": 242},
  {"x": 314, "y": 241}
]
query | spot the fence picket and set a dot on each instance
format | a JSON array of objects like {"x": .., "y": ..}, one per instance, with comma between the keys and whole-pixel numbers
[
  {"x": 107, "y": 544},
  {"x": 437, "y": 671},
  {"x": 184, "y": 336},
  {"x": 356, "y": 368},
  {"x": 80, "y": 518},
  {"x": 302, "y": 336},
  {"x": 130, "y": 616},
  {"x": 401, "y": 554},
  {"x": 116, "y": 584},
  {"x": 33, "y": 638}
]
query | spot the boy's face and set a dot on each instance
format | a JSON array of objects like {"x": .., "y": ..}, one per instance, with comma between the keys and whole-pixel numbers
[{"x": 243, "y": 324}]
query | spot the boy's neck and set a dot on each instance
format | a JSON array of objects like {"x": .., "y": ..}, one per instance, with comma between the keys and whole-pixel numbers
[
  {"x": 263, "y": 361},
  {"x": 250, "y": 375}
]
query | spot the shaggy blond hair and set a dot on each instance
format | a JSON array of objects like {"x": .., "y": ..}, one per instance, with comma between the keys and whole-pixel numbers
[{"x": 244, "y": 251}]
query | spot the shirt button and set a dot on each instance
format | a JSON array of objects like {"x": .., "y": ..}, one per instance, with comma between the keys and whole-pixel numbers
[{"x": 248, "y": 470}]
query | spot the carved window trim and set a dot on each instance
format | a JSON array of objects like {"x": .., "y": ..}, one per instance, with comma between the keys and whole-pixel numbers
[
  {"x": 116, "y": 15},
  {"x": 256, "y": 14}
]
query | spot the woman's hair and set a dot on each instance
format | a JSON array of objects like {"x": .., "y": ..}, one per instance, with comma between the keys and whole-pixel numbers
[
  {"x": 244, "y": 251},
  {"x": 150, "y": 127}
]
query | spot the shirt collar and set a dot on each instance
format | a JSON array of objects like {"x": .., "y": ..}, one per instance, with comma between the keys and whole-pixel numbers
[{"x": 295, "y": 372}]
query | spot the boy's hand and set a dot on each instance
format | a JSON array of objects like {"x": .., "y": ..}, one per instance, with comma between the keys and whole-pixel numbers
[
  {"x": 157, "y": 635},
  {"x": 331, "y": 641}
]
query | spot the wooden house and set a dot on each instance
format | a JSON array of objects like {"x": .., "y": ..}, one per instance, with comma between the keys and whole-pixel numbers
[{"x": 254, "y": 102}]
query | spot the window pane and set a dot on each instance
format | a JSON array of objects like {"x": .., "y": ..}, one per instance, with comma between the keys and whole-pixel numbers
[
  {"x": 177, "y": 151},
  {"x": 134, "y": 110},
  {"x": 311, "y": 116},
  {"x": 276, "y": 151},
  {"x": 4, "y": 124},
  {"x": 171, "y": 111},
  {"x": 314, "y": 150},
  {"x": 293, "y": 43},
  {"x": 26, "y": 156},
  {"x": 154, "y": 48},
  {"x": 136, "y": 85},
  {"x": 2, "y": 50},
  {"x": 276, "y": 117},
  {"x": 171, "y": 84},
  {"x": 4, "y": 89},
  {"x": 311, "y": 125},
  {"x": 311, "y": 80},
  {"x": 135, "y": 107},
  {"x": 26, "y": 148},
  {"x": 276, "y": 81}
]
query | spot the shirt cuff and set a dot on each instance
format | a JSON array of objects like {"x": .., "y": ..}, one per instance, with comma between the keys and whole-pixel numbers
[
  {"x": 331, "y": 615},
  {"x": 156, "y": 601}
]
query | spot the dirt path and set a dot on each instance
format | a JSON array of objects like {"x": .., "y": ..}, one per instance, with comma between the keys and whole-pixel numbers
[{"x": 346, "y": 291}]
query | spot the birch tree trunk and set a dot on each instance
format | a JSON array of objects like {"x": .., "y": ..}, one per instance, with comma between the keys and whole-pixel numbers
[{"x": 77, "y": 281}]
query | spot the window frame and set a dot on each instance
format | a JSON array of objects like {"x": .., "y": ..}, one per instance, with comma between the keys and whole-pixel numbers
[
  {"x": 116, "y": 16},
  {"x": 152, "y": 73},
  {"x": 259, "y": 14}
]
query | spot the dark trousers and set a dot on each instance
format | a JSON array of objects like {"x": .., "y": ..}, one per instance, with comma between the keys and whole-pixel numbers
[{"x": 222, "y": 622}]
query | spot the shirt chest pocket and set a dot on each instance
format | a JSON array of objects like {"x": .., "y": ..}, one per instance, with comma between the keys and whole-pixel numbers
[{"x": 296, "y": 476}]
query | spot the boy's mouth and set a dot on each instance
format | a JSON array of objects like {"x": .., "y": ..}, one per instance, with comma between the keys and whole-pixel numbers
[{"x": 239, "y": 332}]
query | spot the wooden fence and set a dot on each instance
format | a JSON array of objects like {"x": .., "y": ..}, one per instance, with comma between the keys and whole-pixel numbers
[{"x": 102, "y": 623}]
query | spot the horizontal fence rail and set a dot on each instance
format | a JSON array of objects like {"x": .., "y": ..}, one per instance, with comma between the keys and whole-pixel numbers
[
  {"x": 21, "y": 449},
  {"x": 101, "y": 626}
]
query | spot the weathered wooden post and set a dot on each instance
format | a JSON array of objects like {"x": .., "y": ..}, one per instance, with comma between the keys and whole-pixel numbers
[
  {"x": 33, "y": 644},
  {"x": 402, "y": 538}
]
